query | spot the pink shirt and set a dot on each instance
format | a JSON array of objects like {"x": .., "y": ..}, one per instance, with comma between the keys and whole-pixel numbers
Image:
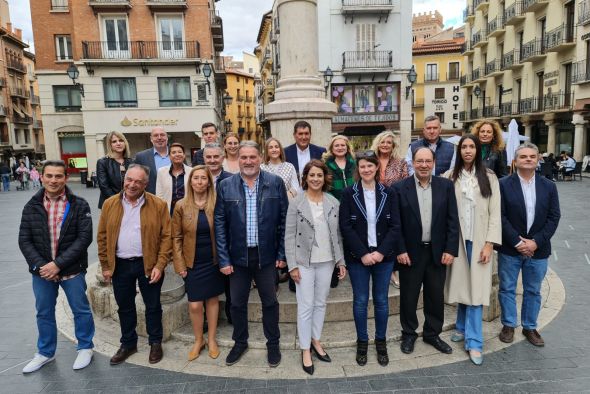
[{"x": 129, "y": 242}]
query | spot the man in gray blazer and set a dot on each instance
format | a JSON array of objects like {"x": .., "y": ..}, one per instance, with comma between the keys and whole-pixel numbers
[{"x": 155, "y": 157}]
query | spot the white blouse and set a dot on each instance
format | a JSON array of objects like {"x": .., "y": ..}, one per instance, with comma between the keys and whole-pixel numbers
[
  {"x": 371, "y": 206},
  {"x": 287, "y": 173},
  {"x": 320, "y": 251}
]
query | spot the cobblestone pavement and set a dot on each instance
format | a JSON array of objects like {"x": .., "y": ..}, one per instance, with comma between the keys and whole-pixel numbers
[{"x": 563, "y": 365}]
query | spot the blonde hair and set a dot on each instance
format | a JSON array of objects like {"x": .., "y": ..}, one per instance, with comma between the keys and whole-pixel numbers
[
  {"x": 267, "y": 143},
  {"x": 349, "y": 149},
  {"x": 380, "y": 137},
  {"x": 497, "y": 140},
  {"x": 227, "y": 137},
  {"x": 120, "y": 135},
  {"x": 189, "y": 195}
]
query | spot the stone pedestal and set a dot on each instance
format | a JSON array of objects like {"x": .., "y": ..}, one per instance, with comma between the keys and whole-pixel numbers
[
  {"x": 492, "y": 311},
  {"x": 174, "y": 304},
  {"x": 579, "y": 140},
  {"x": 551, "y": 136},
  {"x": 300, "y": 93}
]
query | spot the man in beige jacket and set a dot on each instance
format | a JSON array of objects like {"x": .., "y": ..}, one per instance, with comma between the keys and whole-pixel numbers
[{"x": 134, "y": 247}]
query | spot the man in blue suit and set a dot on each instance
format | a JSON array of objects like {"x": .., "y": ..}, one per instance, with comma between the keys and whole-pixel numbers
[
  {"x": 155, "y": 157},
  {"x": 530, "y": 215},
  {"x": 302, "y": 151}
]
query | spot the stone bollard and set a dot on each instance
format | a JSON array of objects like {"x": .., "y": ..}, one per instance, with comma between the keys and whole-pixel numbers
[{"x": 492, "y": 311}]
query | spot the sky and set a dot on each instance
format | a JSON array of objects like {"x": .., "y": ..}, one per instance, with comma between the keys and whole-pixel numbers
[{"x": 241, "y": 19}]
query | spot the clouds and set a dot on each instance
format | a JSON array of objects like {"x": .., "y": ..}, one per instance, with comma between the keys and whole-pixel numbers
[
  {"x": 20, "y": 16},
  {"x": 241, "y": 21},
  {"x": 451, "y": 10}
]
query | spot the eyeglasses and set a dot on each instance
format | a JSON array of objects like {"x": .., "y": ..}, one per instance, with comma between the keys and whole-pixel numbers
[{"x": 365, "y": 154}]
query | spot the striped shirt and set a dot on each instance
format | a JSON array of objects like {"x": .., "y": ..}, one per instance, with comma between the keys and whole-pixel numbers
[
  {"x": 251, "y": 213},
  {"x": 55, "y": 208}
]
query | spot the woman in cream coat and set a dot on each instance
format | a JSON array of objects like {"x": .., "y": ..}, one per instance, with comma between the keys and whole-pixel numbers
[
  {"x": 469, "y": 278},
  {"x": 313, "y": 248},
  {"x": 172, "y": 180}
]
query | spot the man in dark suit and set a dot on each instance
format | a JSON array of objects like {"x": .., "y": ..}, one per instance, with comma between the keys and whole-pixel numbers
[
  {"x": 213, "y": 155},
  {"x": 302, "y": 151},
  {"x": 429, "y": 242},
  {"x": 155, "y": 157},
  {"x": 530, "y": 215},
  {"x": 210, "y": 135}
]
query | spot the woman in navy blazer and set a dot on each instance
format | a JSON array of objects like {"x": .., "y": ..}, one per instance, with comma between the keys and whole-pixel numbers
[{"x": 369, "y": 227}]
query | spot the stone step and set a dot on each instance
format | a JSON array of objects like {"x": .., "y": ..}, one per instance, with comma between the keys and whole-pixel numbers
[
  {"x": 338, "y": 308},
  {"x": 335, "y": 333}
]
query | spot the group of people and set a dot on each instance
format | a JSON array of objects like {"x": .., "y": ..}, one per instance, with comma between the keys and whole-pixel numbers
[
  {"x": 244, "y": 214},
  {"x": 22, "y": 174}
]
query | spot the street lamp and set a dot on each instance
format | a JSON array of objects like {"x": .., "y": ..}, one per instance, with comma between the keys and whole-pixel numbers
[
  {"x": 228, "y": 125},
  {"x": 74, "y": 73},
  {"x": 328, "y": 75},
  {"x": 411, "y": 79},
  {"x": 477, "y": 91},
  {"x": 207, "y": 73},
  {"x": 227, "y": 99}
]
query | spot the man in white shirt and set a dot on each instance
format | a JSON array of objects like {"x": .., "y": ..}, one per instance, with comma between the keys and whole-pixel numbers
[{"x": 302, "y": 151}]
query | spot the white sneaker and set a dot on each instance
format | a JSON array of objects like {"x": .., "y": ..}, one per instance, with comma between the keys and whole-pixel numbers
[
  {"x": 83, "y": 359},
  {"x": 37, "y": 362}
]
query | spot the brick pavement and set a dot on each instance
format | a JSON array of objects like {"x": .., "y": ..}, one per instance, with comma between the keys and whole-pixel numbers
[{"x": 562, "y": 366}]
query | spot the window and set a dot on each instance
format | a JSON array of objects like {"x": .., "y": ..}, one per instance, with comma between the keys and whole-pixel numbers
[
  {"x": 119, "y": 92},
  {"x": 366, "y": 98},
  {"x": 454, "y": 70},
  {"x": 63, "y": 47},
  {"x": 441, "y": 116},
  {"x": 175, "y": 92},
  {"x": 439, "y": 93},
  {"x": 116, "y": 37},
  {"x": 431, "y": 72},
  {"x": 67, "y": 98},
  {"x": 27, "y": 136},
  {"x": 59, "y": 5},
  {"x": 171, "y": 36}
]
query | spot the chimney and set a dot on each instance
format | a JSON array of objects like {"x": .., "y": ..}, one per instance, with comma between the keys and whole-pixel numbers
[
  {"x": 9, "y": 27},
  {"x": 18, "y": 33}
]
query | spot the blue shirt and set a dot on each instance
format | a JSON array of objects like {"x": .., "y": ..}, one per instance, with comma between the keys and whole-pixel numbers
[
  {"x": 161, "y": 161},
  {"x": 251, "y": 213}
]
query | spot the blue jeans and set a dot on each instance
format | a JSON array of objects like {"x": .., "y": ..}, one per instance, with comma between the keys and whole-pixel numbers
[
  {"x": 45, "y": 298},
  {"x": 6, "y": 182},
  {"x": 469, "y": 317},
  {"x": 533, "y": 272},
  {"x": 127, "y": 274},
  {"x": 359, "y": 278}
]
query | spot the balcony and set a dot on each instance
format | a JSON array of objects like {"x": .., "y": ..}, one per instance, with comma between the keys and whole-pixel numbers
[
  {"x": 481, "y": 5},
  {"x": 533, "y": 5},
  {"x": 479, "y": 39},
  {"x": 366, "y": 61},
  {"x": 109, "y": 5},
  {"x": 248, "y": 99},
  {"x": 37, "y": 124},
  {"x": 20, "y": 92},
  {"x": 431, "y": 77},
  {"x": 216, "y": 30},
  {"x": 513, "y": 14},
  {"x": 466, "y": 48},
  {"x": 219, "y": 72},
  {"x": 477, "y": 75},
  {"x": 468, "y": 14},
  {"x": 465, "y": 80},
  {"x": 533, "y": 50},
  {"x": 240, "y": 116},
  {"x": 474, "y": 113},
  {"x": 167, "y": 5},
  {"x": 418, "y": 102},
  {"x": 24, "y": 119},
  {"x": 267, "y": 57},
  {"x": 581, "y": 72},
  {"x": 560, "y": 39},
  {"x": 453, "y": 76},
  {"x": 584, "y": 13},
  {"x": 16, "y": 65},
  {"x": 140, "y": 51},
  {"x": 496, "y": 26},
  {"x": 59, "y": 6},
  {"x": 367, "y": 6},
  {"x": 493, "y": 68},
  {"x": 240, "y": 97},
  {"x": 511, "y": 60},
  {"x": 35, "y": 100}
]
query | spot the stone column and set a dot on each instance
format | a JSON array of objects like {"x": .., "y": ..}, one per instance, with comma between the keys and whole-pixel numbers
[
  {"x": 528, "y": 130},
  {"x": 551, "y": 136},
  {"x": 300, "y": 93},
  {"x": 580, "y": 130}
]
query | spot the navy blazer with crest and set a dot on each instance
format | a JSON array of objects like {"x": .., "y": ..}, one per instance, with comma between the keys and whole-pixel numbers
[
  {"x": 547, "y": 215},
  {"x": 315, "y": 152},
  {"x": 353, "y": 222},
  {"x": 444, "y": 229}
]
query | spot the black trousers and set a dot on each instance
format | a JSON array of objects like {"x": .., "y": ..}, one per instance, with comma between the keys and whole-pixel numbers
[
  {"x": 265, "y": 279},
  {"x": 431, "y": 276}
]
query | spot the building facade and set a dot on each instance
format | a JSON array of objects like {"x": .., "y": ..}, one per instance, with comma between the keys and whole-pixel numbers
[
  {"x": 426, "y": 25},
  {"x": 581, "y": 81},
  {"x": 267, "y": 54},
  {"x": 21, "y": 128},
  {"x": 438, "y": 63},
  {"x": 140, "y": 64},
  {"x": 520, "y": 58},
  {"x": 241, "y": 114}
]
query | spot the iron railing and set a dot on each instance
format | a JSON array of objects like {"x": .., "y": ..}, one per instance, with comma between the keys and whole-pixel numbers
[
  {"x": 532, "y": 48},
  {"x": 467, "y": 12},
  {"x": 59, "y": 5},
  {"x": 141, "y": 50},
  {"x": 493, "y": 66},
  {"x": 480, "y": 36},
  {"x": 584, "y": 12},
  {"x": 510, "y": 59},
  {"x": 367, "y": 59},
  {"x": 495, "y": 24},
  {"x": 20, "y": 92},
  {"x": 16, "y": 118},
  {"x": 581, "y": 71},
  {"x": 528, "y": 3},
  {"x": 109, "y": 2},
  {"x": 431, "y": 77},
  {"x": 465, "y": 79},
  {"x": 360, "y": 3},
  {"x": 513, "y": 11},
  {"x": 562, "y": 35},
  {"x": 16, "y": 65}
]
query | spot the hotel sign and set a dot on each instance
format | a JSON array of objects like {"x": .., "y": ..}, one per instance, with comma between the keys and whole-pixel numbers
[
  {"x": 365, "y": 118},
  {"x": 138, "y": 122}
]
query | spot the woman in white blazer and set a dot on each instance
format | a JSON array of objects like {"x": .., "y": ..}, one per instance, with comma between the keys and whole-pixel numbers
[{"x": 172, "y": 180}]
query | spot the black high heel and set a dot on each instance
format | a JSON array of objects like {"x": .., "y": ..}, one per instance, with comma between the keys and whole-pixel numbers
[
  {"x": 308, "y": 370},
  {"x": 325, "y": 358}
]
